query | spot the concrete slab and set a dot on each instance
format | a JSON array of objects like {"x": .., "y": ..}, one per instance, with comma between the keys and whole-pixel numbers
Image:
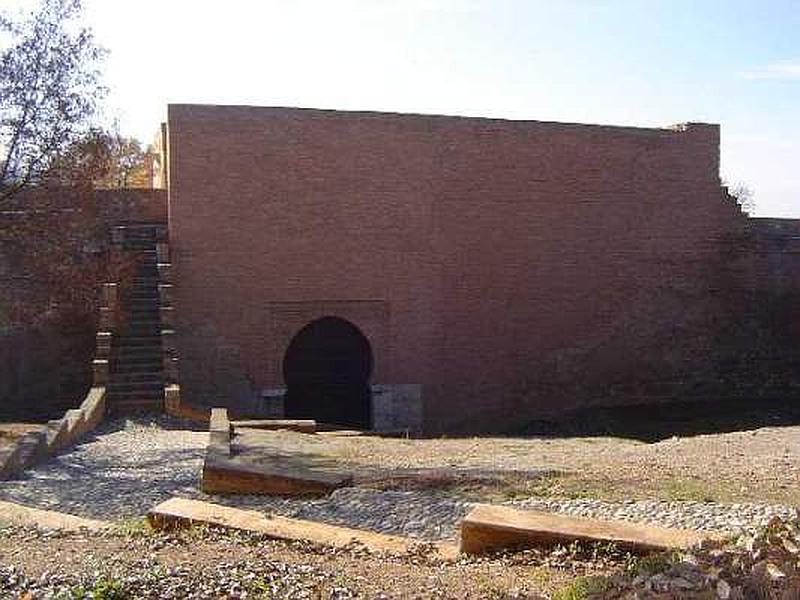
[
  {"x": 219, "y": 433},
  {"x": 249, "y": 463},
  {"x": 180, "y": 512},
  {"x": 490, "y": 528},
  {"x": 18, "y": 514},
  {"x": 224, "y": 475},
  {"x": 299, "y": 425}
]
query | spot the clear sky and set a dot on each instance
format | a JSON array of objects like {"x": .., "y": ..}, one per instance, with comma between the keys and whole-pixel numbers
[{"x": 632, "y": 62}]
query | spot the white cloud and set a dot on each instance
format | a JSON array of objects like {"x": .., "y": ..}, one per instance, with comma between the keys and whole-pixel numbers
[{"x": 783, "y": 69}]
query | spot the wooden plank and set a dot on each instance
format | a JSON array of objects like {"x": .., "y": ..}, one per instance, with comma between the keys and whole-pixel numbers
[
  {"x": 490, "y": 528},
  {"x": 180, "y": 512},
  {"x": 18, "y": 514},
  {"x": 299, "y": 425}
]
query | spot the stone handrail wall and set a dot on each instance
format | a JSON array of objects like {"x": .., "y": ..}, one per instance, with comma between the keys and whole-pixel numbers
[{"x": 36, "y": 446}]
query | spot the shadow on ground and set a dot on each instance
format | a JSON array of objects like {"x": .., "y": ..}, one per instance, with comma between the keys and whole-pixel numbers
[{"x": 654, "y": 422}]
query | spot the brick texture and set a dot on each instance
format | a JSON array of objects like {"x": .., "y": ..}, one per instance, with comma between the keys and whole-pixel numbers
[{"x": 513, "y": 269}]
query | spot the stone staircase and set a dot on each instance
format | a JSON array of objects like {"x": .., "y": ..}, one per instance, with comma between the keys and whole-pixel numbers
[{"x": 136, "y": 365}]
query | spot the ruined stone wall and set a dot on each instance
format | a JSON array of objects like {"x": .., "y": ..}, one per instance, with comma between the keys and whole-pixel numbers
[
  {"x": 512, "y": 269},
  {"x": 45, "y": 362}
]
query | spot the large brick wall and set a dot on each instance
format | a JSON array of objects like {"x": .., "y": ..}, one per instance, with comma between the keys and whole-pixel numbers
[
  {"x": 768, "y": 302},
  {"x": 513, "y": 269}
]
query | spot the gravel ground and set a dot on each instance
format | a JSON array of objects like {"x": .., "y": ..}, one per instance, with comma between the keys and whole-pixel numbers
[
  {"x": 128, "y": 467},
  {"x": 121, "y": 471}
]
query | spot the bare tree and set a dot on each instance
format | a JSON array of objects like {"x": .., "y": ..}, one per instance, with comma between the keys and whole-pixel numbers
[
  {"x": 744, "y": 196},
  {"x": 49, "y": 91},
  {"x": 52, "y": 243}
]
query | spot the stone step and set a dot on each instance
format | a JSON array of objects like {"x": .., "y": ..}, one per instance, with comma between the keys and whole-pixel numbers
[
  {"x": 139, "y": 238},
  {"x": 139, "y": 332},
  {"x": 144, "y": 358},
  {"x": 140, "y": 376},
  {"x": 153, "y": 330},
  {"x": 151, "y": 295},
  {"x": 152, "y": 313},
  {"x": 143, "y": 317},
  {"x": 135, "y": 398},
  {"x": 131, "y": 235},
  {"x": 132, "y": 386},
  {"x": 144, "y": 313},
  {"x": 124, "y": 352},
  {"x": 147, "y": 268},
  {"x": 135, "y": 394},
  {"x": 136, "y": 406},
  {"x": 148, "y": 282},
  {"x": 137, "y": 360},
  {"x": 137, "y": 340},
  {"x": 134, "y": 229},
  {"x": 143, "y": 304},
  {"x": 154, "y": 321},
  {"x": 147, "y": 260},
  {"x": 156, "y": 369},
  {"x": 142, "y": 298},
  {"x": 137, "y": 366},
  {"x": 129, "y": 353}
]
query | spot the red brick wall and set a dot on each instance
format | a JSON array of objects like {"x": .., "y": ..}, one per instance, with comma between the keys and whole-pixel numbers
[{"x": 515, "y": 269}]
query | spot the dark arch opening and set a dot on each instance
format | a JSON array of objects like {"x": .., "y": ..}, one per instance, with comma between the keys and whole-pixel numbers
[{"x": 327, "y": 369}]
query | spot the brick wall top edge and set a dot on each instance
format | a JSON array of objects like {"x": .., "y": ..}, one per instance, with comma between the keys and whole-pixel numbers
[
  {"x": 178, "y": 112},
  {"x": 774, "y": 226}
]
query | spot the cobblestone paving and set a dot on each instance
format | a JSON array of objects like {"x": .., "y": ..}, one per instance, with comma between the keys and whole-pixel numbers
[
  {"x": 730, "y": 518},
  {"x": 121, "y": 471}
]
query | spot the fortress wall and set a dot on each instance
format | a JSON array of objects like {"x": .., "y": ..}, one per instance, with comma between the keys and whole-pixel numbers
[{"x": 514, "y": 269}]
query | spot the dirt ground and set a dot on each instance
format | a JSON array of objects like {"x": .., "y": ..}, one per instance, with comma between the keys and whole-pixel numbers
[
  {"x": 762, "y": 465},
  {"x": 192, "y": 559}
]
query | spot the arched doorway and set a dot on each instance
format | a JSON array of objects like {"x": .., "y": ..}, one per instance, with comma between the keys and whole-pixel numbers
[{"x": 327, "y": 369}]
